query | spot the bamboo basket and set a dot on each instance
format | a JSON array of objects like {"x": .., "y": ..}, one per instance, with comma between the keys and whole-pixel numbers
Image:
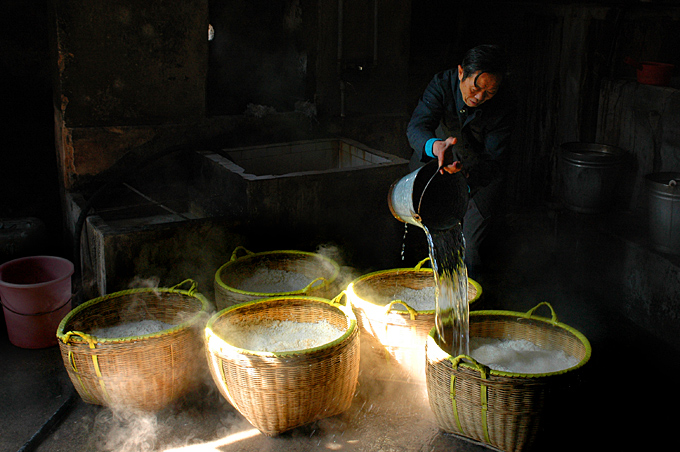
[
  {"x": 322, "y": 271},
  {"x": 501, "y": 410},
  {"x": 277, "y": 392},
  {"x": 394, "y": 334},
  {"x": 145, "y": 372}
]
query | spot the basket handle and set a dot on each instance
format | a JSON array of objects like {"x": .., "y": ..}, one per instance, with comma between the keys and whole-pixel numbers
[
  {"x": 336, "y": 299},
  {"x": 530, "y": 312},
  {"x": 234, "y": 254},
  {"x": 315, "y": 280},
  {"x": 411, "y": 311},
  {"x": 483, "y": 369},
  {"x": 89, "y": 339},
  {"x": 192, "y": 287},
  {"x": 346, "y": 307},
  {"x": 421, "y": 263},
  {"x": 483, "y": 391}
]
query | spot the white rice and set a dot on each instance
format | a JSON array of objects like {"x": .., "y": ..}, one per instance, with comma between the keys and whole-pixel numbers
[
  {"x": 280, "y": 335},
  {"x": 132, "y": 329},
  {"x": 519, "y": 356},
  {"x": 266, "y": 280},
  {"x": 419, "y": 299}
]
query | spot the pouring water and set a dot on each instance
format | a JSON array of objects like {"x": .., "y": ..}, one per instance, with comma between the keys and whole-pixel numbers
[{"x": 437, "y": 203}]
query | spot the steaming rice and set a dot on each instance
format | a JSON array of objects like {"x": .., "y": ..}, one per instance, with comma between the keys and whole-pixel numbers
[
  {"x": 519, "y": 356},
  {"x": 419, "y": 299},
  {"x": 266, "y": 280},
  {"x": 280, "y": 335},
  {"x": 132, "y": 329}
]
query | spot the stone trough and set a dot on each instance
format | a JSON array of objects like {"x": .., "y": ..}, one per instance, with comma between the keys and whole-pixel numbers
[{"x": 186, "y": 216}]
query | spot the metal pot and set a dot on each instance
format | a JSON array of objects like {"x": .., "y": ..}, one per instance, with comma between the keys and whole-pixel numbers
[
  {"x": 663, "y": 197},
  {"x": 427, "y": 198},
  {"x": 589, "y": 175}
]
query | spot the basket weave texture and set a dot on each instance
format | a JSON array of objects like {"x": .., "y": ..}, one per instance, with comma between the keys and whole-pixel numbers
[
  {"x": 277, "y": 392},
  {"x": 143, "y": 372},
  {"x": 396, "y": 337},
  {"x": 499, "y": 409},
  {"x": 322, "y": 271}
]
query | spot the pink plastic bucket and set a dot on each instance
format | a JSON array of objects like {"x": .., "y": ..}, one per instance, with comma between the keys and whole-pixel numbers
[{"x": 36, "y": 294}]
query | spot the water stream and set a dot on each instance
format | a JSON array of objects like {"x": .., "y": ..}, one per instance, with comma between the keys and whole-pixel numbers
[
  {"x": 447, "y": 253},
  {"x": 437, "y": 202}
]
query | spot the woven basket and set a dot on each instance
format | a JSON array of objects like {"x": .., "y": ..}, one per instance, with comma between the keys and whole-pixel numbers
[
  {"x": 142, "y": 372},
  {"x": 322, "y": 271},
  {"x": 499, "y": 409},
  {"x": 277, "y": 392},
  {"x": 394, "y": 338}
]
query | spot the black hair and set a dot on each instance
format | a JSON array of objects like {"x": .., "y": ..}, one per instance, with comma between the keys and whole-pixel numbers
[{"x": 487, "y": 58}]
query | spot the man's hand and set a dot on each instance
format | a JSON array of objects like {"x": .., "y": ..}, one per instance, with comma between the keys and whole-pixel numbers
[{"x": 442, "y": 150}]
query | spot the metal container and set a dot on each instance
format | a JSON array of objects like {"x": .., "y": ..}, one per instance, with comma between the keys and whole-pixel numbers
[
  {"x": 426, "y": 197},
  {"x": 589, "y": 175},
  {"x": 663, "y": 208}
]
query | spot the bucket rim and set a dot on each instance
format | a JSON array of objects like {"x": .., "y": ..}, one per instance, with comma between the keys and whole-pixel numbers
[
  {"x": 658, "y": 178},
  {"x": 523, "y": 315},
  {"x": 590, "y": 152},
  {"x": 41, "y": 284},
  {"x": 657, "y": 64}
]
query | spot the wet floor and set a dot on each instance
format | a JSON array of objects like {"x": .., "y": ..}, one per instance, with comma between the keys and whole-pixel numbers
[{"x": 624, "y": 397}]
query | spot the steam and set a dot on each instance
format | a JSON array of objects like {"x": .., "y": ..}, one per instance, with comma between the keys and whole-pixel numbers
[
  {"x": 177, "y": 428},
  {"x": 207, "y": 423},
  {"x": 347, "y": 274},
  {"x": 127, "y": 431},
  {"x": 144, "y": 283},
  {"x": 204, "y": 421}
]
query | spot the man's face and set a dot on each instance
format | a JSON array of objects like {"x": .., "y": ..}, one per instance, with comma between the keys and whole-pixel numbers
[{"x": 475, "y": 94}]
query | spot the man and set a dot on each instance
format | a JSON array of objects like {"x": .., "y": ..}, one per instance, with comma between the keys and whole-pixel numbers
[{"x": 464, "y": 120}]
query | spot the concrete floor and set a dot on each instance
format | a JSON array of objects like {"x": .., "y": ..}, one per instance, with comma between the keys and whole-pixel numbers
[{"x": 625, "y": 396}]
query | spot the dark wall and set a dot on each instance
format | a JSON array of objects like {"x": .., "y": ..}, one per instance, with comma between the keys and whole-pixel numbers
[
  {"x": 562, "y": 52},
  {"x": 130, "y": 62},
  {"x": 28, "y": 184},
  {"x": 258, "y": 55}
]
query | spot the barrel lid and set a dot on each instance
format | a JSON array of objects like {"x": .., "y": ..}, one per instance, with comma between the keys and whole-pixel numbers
[
  {"x": 593, "y": 153},
  {"x": 667, "y": 182}
]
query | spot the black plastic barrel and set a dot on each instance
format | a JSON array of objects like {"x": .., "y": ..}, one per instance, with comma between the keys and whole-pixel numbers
[
  {"x": 589, "y": 176},
  {"x": 663, "y": 207}
]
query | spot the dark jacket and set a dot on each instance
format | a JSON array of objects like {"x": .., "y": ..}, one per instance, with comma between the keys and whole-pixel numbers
[{"x": 483, "y": 133}]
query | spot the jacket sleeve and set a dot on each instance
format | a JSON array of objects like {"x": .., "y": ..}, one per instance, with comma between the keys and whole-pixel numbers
[{"x": 427, "y": 115}]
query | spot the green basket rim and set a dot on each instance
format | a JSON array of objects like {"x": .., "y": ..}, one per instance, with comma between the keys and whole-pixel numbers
[
  {"x": 415, "y": 270},
  {"x": 326, "y": 283},
  {"x": 205, "y": 307},
  {"x": 527, "y": 315},
  {"x": 348, "y": 312}
]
